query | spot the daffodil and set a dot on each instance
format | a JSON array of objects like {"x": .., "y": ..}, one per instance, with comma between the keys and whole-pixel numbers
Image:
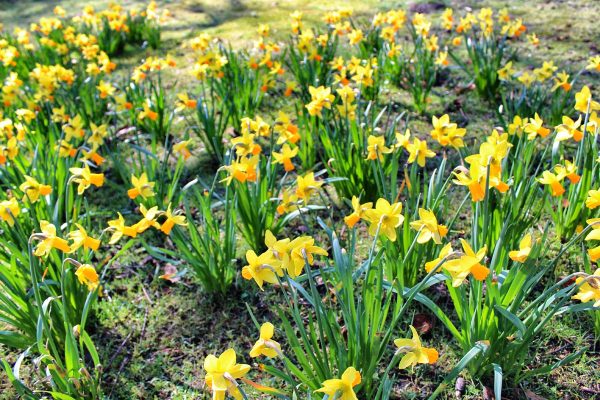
[
  {"x": 306, "y": 186},
  {"x": 99, "y": 133},
  {"x": 593, "y": 199},
  {"x": 569, "y": 129},
  {"x": 402, "y": 139},
  {"x": 376, "y": 148},
  {"x": 242, "y": 170},
  {"x": 182, "y": 148},
  {"x": 444, "y": 253},
  {"x": 535, "y": 127},
  {"x": 594, "y": 234},
  {"x": 149, "y": 219},
  {"x": 561, "y": 81},
  {"x": 105, "y": 89},
  {"x": 386, "y": 217},
  {"x": 302, "y": 251},
  {"x": 468, "y": 263},
  {"x": 321, "y": 97},
  {"x": 148, "y": 112},
  {"x": 342, "y": 388},
  {"x": 119, "y": 229},
  {"x": 590, "y": 288},
  {"x": 171, "y": 220},
  {"x": 185, "y": 103},
  {"x": 285, "y": 157},
  {"x": 569, "y": 171},
  {"x": 87, "y": 275},
  {"x": 584, "y": 98},
  {"x": 9, "y": 209},
  {"x": 222, "y": 372},
  {"x": 419, "y": 152},
  {"x": 358, "y": 213},
  {"x": 141, "y": 187},
  {"x": 416, "y": 353},
  {"x": 262, "y": 268},
  {"x": 85, "y": 178},
  {"x": 81, "y": 238},
  {"x": 594, "y": 63},
  {"x": 506, "y": 72},
  {"x": 74, "y": 129},
  {"x": 265, "y": 345},
  {"x": 524, "y": 249},
  {"x": 49, "y": 240},
  {"x": 33, "y": 190},
  {"x": 428, "y": 227},
  {"x": 554, "y": 181},
  {"x": 288, "y": 201}
]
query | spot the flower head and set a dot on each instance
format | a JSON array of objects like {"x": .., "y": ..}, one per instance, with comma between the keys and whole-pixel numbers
[
  {"x": 49, "y": 240},
  {"x": 342, "y": 388},
  {"x": 85, "y": 178},
  {"x": 467, "y": 264},
  {"x": 428, "y": 227},
  {"x": 222, "y": 372},
  {"x": 141, "y": 187},
  {"x": 265, "y": 345},
  {"x": 386, "y": 217},
  {"x": 33, "y": 190},
  {"x": 524, "y": 249},
  {"x": 87, "y": 275},
  {"x": 415, "y": 352}
]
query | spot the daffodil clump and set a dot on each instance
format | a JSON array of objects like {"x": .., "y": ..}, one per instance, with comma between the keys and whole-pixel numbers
[{"x": 324, "y": 189}]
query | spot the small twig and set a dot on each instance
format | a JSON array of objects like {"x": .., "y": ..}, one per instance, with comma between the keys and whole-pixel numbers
[
  {"x": 119, "y": 349},
  {"x": 143, "y": 332},
  {"x": 147, "y": 296}
]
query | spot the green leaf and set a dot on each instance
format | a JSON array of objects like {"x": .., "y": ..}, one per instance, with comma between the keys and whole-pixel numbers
[{"x": 513, "y": 319}]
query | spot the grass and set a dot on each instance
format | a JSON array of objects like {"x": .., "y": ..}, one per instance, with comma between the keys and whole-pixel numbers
[{"x": 153, "y": 335}]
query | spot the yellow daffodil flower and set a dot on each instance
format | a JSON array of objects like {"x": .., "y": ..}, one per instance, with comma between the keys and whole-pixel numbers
[
  {"x": 445, "y": 252},
  {"x": 387, "y": 216},
  {"x": 419, "y": 152},
  {"x": 265, "y": 345},
  {"x": 321, "y": 97},
  {"x": 221, "y": 374},
  {"x": 87, "y": 275},
  {"x": 554, "y": 181},
  {"x": 306, "y": 186},
  {"x": 85, "y": 178},
  {"x": 33, "y": 190},
  {"x": 524, "y": 249},
  {"x": 302, "y": 251},
  {"x": 9, "y": 209},
  {"x": 594, "y": 234},
  {"x": 81, "y": 238},
  {"x": 141, "y": 187},
  {"x": 105, "y": 89},
  {"x": 343, "y": 388},
  {"x": 182, "y": 148},
  {"x": 262, "y": 268},
  {"x": 593, "y": 199},
  {"x": 171, "y": 220},
  {"x": 49, "y": 240},
  {"x": 590, "y": 290},
  {"x": 468, "y": 263},
  {"x": 569, "y": 129},
  {"x": 376, "y": 148},
  {"x": 285, "y": 157},
  {"x": 119, "y": 229},
  {"x": 428, "y": 227},
  {"x": 359, "y": 210},
  {"x": 416, "y": 353}
]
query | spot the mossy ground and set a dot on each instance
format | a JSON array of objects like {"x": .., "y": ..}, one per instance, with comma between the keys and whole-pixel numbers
[{"x": 153, "y": 335}]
